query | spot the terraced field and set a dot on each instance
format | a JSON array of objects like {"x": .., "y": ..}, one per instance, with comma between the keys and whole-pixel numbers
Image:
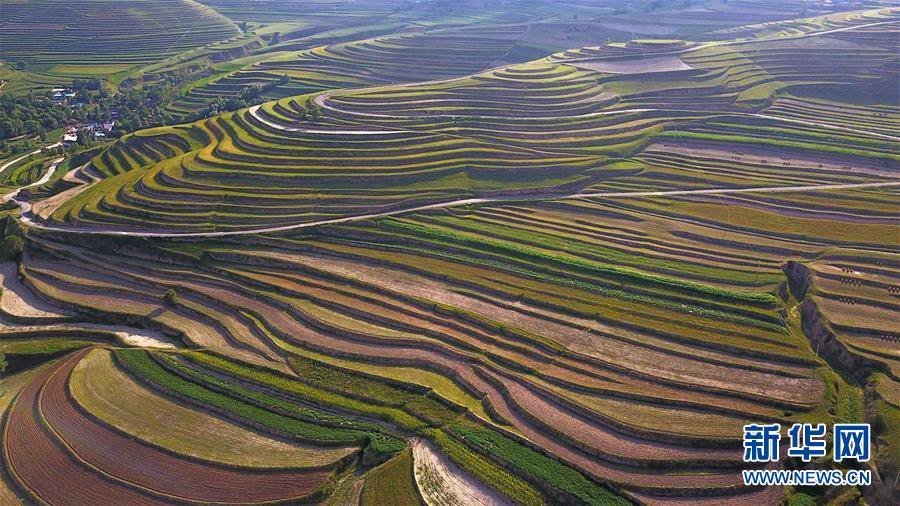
[
  {"x": 633, "y": 347},
  {"x": 325, "y": 48},
  {"x": 547, "y": 128},
  {"x": 379, "y": 60},
  {"x": 55, "y": 41},
  {"x": 570, "y": 278}
]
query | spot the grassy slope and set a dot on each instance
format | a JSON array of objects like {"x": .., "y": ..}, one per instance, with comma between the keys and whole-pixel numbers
[{"x": 392, "y": 483}]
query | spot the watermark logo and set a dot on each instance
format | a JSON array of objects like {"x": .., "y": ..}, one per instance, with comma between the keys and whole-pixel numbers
[
  {"x": 761, "y": 442},
  {"x": 807, "y": 441},
  {"x": 851, "y": 441}
]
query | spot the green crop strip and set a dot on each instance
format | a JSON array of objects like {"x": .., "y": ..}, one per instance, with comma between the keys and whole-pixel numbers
[
  {"x": 324, "y": 377},
  {"x": 488, "y": 471},
  {"x": 300, "y": 390},
  {"x": 572, "y": 283},
  {"x": 392, "y": 483},
  {"x": 830, "y": 137},
  {"x": 280, "y": 383},
  {"x": 536, "y": 465},
  {"x": 140, "y": 363},
  {"x": 549, "y": 240},
  {"x": 584, "y": 265}
]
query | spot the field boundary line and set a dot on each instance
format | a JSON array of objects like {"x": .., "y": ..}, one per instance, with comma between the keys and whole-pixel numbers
[{"x": 26, "y": 217}]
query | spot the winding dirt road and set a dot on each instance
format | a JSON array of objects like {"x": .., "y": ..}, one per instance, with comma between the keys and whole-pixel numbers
[
  {"x": 44, "y": 179},
  {"x": 26, "y": 206}
]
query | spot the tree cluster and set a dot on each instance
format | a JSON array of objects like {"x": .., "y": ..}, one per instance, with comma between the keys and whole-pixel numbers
[
  {"x": 132, "y": 108},
  {"x": 31, "y": 115}
]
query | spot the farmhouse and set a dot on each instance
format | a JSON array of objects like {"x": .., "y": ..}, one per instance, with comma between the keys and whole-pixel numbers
[{"x": 71, "y": 136}]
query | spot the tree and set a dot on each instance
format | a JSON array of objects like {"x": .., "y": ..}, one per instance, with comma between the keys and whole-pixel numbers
[
  {"x": 11, "y": 248},
  {"x": 32, "y": 126},
  {"x": 83, "y": 97},
  {"x": 85, "y": 139},
  {"x": 7, "y": 129},
  {"x": 170, "y": 298},
  {"x": 3, "y": 363},
  {"x": 243, "y": 26}
]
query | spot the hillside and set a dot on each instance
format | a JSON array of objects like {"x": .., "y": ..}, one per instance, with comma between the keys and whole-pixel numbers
[
  {"x": 502, "y": 252},
  {"x": 548, "y": 128},
  {"x": 50, "y": 42}
]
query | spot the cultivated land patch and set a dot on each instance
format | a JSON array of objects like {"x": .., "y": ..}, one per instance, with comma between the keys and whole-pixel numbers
[
  {"x": 637, "y": 65},
  {"x": 466, "y": 257}
]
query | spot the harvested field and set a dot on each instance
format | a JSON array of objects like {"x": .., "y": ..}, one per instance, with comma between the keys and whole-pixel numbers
[
  {"x": 11, "y": 385},
  {"x": 636, "y": 66},
  {"x": 39, "y": 465},
  {"x": 18, "y": 302}
]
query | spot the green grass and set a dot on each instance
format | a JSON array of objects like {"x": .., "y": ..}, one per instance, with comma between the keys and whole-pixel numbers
[
  {"x": 358, "y": 386},
  {"x": 304, "y": 391},
  {"x": 439, "y": 384},
  {"x": 537, "y": 466},
  {"x": 571, "y": 282},
  {"x": 392, "y": 483},
  {"x": 489, "y": 472},
  {"x": 589, "y": 247},
  {"x": 583, "y": 265}
]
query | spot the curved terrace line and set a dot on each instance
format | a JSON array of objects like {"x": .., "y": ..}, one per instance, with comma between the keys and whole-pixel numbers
[
  {"x": 776, "y": 38},
  {"x": 26, "y": 217},
  {"x": 254, "y": 112},
  {"x": 321, "y": 101},
  {"x": 787, "y": 37}
]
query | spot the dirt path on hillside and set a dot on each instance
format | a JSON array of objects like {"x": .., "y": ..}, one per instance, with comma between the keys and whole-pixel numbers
[
  {"x": 42, "y": 180},
  {"x": 442, "y": 483},
  {"x": 48, "y": 206}
]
